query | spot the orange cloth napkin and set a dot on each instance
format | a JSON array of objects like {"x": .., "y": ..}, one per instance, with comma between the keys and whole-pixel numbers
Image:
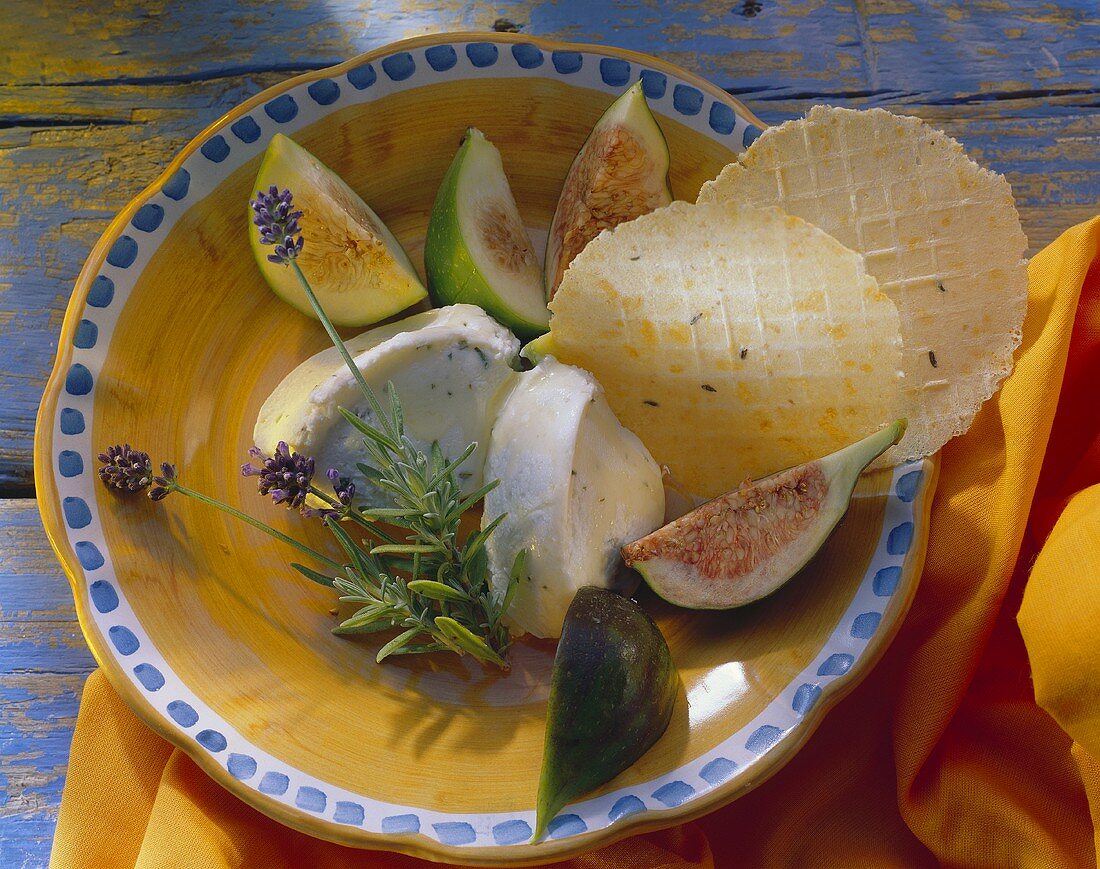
[{"x": 973, "y": 743}]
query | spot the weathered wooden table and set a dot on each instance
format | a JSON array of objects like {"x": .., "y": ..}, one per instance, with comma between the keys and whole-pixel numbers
[{"x": 95, "y": 98}]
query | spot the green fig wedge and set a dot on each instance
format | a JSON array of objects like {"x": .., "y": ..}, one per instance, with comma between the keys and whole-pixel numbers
[
  {"x": 355, "y": 265},
  {"x": 611, "y": 697},
  {"x": 620, "y": 173},
  {"x": 536, "y": 350},
  {"x": 477, "y": 249},
  {"x": 744, "y": 545}
]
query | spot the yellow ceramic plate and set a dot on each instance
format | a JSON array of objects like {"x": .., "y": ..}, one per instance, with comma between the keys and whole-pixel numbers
[{"x": 172, "y": 340}]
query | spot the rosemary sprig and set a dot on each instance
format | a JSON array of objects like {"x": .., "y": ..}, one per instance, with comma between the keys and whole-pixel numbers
[{"x": 426, "y": 582}]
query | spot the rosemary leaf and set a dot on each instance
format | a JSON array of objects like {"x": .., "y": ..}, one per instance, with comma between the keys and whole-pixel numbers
[
  {"x": 450, "y": 467},
  {"x": 421, "y": 648},
  {"x": 465, "y": 639},
  {"x": 370, "y": 615},
  {"x": 436, "y": 590},
  {"x": 397, "y": 414},
  {"x": 403, "y": 549},
  {"x": 395, "y": 644},
  {"x": 383, "y": 513},
  {"x": 364, "y": 563},
  {"x": 476, "y": 541},
  {"x": 477, "y": 496},
  {"x": 370, "y": 432},
  {"x": 310, "y": 573},
  {"x": 519, "y": 573}
]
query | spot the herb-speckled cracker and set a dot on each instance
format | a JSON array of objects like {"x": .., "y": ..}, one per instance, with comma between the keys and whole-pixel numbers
[
  {"x": 939, "y": 233},
  {"x": 734, "y": 341}
]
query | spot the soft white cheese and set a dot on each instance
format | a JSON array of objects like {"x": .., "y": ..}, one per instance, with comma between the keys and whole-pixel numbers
[
  {"x": 575, "y": 486},
  {"x": 451, "y": 368}
]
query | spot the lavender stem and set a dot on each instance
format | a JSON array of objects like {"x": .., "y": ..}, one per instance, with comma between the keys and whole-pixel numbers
[
  {"x": 255, "y": 523},
  {"x": 339, "y": 344}
]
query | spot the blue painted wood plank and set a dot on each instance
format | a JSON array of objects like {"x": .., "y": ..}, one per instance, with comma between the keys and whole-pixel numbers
[
  {"x": 43, "y": 664},
  {"x": 944, "y": 47},
  {"x": 37, "y": 716}
]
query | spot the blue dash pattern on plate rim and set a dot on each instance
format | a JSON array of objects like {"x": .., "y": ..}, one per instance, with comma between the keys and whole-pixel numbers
[{"x": 223, "y": 151}]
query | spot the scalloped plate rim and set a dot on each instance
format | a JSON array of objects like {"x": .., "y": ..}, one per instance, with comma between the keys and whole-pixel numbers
[{"x": 419, "y": 844}]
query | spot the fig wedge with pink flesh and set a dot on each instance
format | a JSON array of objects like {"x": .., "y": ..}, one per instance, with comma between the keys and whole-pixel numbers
[
  {"x": 742, "y": 546},
  {"x": 620, "y": 173}
]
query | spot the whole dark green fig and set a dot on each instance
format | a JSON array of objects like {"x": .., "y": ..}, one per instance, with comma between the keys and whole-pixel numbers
[{"x": 611, "y": 697}]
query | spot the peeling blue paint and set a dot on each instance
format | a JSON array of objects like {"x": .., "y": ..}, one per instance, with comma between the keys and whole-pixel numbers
[{"x": 53, "y": 708}]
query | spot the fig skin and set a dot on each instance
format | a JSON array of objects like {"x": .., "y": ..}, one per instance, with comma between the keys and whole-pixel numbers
[{"x": 611, "y": 698}]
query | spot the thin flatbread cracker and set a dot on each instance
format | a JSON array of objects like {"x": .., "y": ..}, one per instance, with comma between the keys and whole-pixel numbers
[
  {"x": 939, "y": 233},
  {"x": 734, "y": 341}
]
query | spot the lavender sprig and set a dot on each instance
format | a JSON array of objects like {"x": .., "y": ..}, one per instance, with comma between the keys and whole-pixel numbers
[
  {"x": 342, "y": 486},
  {"x": 164, "y": 483},
  {"x": 286, "y": 476},
  {"x": 125, "y": 469},
  {"x": 167, "y": 483},
  {"x": 278, "y": 224}
]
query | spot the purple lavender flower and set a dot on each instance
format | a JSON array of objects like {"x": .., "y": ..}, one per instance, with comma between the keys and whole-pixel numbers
[
  {"x": 278, "y": 223},
  {"x": 125, "y": 469},
  {"x": 342, "y": 486},
  {"x": 285, "y": 476},
  {"x": 164, "y": 483},
  {"x": 345, "y": 493}
]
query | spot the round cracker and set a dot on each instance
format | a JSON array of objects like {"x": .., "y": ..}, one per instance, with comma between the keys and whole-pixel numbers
[
  {"x": 734, "y": 341},
  {"x": 939, "y": 233}
]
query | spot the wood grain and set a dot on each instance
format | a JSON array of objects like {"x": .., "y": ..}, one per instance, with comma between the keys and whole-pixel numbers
[
  {"x": 95, "y": 98},
  {"x": 43, "y": 664}
]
